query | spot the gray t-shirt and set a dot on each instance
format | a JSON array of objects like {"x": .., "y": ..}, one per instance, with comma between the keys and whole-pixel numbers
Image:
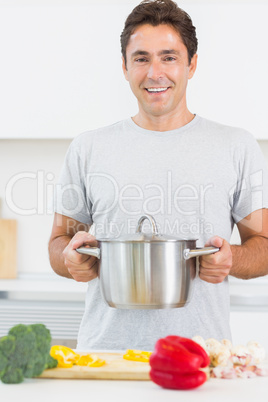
[{"x": 197, "y": 181}]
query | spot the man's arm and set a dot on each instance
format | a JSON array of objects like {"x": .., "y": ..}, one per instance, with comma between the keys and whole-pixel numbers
[
  {"x": 249, "y": 260},
  {"x": 67, "y": 235}
]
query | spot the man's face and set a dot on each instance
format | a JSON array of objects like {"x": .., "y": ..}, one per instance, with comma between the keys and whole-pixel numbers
[{"x": 157, "y": 69}]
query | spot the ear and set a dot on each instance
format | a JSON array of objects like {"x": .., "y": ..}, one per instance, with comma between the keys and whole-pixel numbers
[
  {"x": 124, "y": 68},
  {"x": 192, "y": 66}
]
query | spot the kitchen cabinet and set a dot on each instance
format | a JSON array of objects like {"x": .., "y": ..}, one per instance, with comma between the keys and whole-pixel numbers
[{"x": 61, "y": 66}]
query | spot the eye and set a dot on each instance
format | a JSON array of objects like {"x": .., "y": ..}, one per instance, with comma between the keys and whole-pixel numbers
[
  {"x": 141, "y": 60},
  {"x": 169, "y": 58}
]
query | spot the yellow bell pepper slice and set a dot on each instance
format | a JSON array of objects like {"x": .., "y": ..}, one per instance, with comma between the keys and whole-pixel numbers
[
  {"x": 137, "y": 355},
  {"x": 90, "y": 361},
  {"x": 66, "y": 357}
]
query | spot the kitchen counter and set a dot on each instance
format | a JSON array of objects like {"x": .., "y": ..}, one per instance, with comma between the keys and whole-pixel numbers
[{"x": 220, "y": 390}]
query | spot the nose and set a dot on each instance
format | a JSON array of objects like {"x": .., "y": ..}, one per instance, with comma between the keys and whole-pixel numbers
[{"x": 155, "y": 70}]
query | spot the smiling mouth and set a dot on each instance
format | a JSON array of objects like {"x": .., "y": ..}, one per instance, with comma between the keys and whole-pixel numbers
[{"x": 157, "y": 90}]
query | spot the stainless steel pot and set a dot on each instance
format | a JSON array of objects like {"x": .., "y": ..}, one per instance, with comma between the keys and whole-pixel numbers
[{"x": 147, "y": 271}]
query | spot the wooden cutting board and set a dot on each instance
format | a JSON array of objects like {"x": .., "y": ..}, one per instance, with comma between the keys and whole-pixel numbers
[
  {"x": 116, "y": 368},
  {"x": 8, "y": 254}
]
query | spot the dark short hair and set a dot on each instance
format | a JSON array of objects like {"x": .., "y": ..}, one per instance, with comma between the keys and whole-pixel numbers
[{"x": 157, "y": 12}]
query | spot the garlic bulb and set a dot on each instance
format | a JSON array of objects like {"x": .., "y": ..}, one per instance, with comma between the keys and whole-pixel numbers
[
  {"x": 241, "y": 355},
  {"x": 201, "y": 341},
  {"x": 256, "y": 351},
  {"x": 219, "y": 354},
  {"x": 227, "y": 343}
]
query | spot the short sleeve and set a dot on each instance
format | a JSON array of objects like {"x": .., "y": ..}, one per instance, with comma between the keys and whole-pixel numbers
[
  {"x": 251, "y": 190},
  {"x": 70, "y": 195}
]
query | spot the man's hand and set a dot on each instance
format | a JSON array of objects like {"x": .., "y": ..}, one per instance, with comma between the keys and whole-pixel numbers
[
  {"x": 82, "y": 268},
  {"x": 214, "y": 268}
]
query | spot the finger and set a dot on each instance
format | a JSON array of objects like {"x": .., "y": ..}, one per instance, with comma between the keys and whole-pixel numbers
[
  {"x": 83, "y": 267},
  {"x": 219, "y": 260},
  {"x": 79, "y": 261},
  {"x": 83, "y": 240},
  {"x": 212, "y": 264},
  {"x": 219, "y": 256},
  {"x": 215, "y": 241},
  {"x": 212, "y": 279},
  {"x": 214, "y": 272},
  {"x": 84, "y": 276},
  {"x": 72, "y": 257}
]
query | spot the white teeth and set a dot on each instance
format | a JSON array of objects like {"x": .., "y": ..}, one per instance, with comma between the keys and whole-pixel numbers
[{"x": 156, "y": 89}]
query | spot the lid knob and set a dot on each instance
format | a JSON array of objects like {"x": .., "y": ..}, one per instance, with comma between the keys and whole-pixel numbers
[{"x": 152, "y": 222}]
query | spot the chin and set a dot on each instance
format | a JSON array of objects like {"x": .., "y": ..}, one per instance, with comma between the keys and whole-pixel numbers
[{"x": 158, "y": 112}]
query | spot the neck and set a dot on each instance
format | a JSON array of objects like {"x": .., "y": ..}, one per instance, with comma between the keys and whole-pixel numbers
[{"x": 164, "y": 122}]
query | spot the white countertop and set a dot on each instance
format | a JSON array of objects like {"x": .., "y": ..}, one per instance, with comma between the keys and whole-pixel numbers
[{"x": 218, "y": 390}]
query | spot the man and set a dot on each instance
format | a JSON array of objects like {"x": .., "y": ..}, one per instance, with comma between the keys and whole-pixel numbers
[{"x": 196, "y": 177}]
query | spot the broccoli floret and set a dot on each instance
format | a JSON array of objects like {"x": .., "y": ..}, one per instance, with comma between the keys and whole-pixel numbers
[
  {"x": 25, "y": 346},
  {"x": 43, "y": 338},
  {"x": 12, "y": 375},
  {"x": 35, "y": 366},
  {"x": 3, "y": 363},
  {"x": 51, "y": 362},
  {"x": 24, "y": 352},
  {"x": 7, "y": 345}
]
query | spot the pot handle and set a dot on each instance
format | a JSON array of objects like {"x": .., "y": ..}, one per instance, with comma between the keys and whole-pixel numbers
[
  {"x": 187, "y": 253},
  {"x": 94, "y": 251},
  {"x": 152, "y": 222}
]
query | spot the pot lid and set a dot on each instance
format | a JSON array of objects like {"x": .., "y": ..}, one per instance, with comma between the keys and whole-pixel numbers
[{"x": 140, "y": 236}]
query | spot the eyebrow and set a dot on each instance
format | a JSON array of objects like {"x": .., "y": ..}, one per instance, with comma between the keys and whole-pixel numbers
[
  {"x": 169, "y": 51},
  {"x": 161, "y": 53}
]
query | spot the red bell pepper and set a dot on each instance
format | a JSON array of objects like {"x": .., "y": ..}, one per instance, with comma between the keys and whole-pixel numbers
[
  {"x": 169, "y": 356},
  {"x": 175, "y": 363},
  {"x": 192, "y": 346},
  {"x": 178, "y": 381}
]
